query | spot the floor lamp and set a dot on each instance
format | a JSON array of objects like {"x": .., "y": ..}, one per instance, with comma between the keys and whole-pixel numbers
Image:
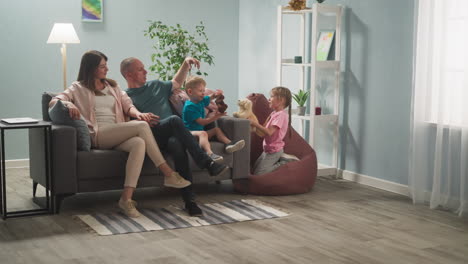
[{"x": 63, "y": 33}]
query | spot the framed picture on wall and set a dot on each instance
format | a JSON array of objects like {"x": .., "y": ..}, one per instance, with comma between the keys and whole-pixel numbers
[
  {"x": 325, "y": 43},
  {"x": 92, "y": 10}
]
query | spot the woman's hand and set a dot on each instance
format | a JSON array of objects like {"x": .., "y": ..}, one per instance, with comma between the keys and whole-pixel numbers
[
  {"x": 151, "y": 118},
  {"x": 73, "y": 111}
]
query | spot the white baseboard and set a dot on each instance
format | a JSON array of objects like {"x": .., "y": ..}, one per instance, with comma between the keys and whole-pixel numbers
[
  {"x": 374, "y": 182},
  {"x": 18, "y": 163}
]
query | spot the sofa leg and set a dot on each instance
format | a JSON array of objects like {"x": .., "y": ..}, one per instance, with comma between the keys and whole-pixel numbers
[
  {"x": 35, "y": 188},
  {"x": 58, "y": 199}
]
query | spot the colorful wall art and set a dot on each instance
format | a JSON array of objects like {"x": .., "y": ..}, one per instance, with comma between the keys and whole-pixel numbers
[{"x": 92, "y": 10}]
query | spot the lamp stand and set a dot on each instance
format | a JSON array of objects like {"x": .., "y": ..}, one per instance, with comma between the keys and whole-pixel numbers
[{"x": 63, "y": 50}]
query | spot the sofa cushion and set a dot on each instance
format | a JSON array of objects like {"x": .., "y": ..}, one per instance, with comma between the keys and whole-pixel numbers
[{"x": 60, "y": 116}]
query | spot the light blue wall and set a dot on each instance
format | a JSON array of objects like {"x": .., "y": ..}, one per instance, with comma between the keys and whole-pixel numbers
[
  {"x": 377, "y": 55},
  {"x": 29, "y": 66},
  {"x": 377, "y": 72}
]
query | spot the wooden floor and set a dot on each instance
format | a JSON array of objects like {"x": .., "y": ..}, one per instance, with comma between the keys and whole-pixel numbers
[{"x": 338, "y": 222}]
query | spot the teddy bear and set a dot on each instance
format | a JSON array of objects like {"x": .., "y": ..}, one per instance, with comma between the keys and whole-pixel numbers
[
  {"x": 245, "y": 111},
  {"x": 219, "y": 101}
]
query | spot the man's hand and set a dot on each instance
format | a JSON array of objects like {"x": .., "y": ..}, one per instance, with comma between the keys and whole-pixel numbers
[
  {"x": 179, "y": 77},
  {"x": 151, "y": 118},
  {"x": 192, "y": 61}
]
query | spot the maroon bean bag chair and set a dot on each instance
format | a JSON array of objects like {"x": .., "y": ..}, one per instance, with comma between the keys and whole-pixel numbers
[{"x": 291, "y": 178}]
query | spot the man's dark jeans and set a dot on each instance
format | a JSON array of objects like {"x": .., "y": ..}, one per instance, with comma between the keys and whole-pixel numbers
[{"x": 172, "y": 137}]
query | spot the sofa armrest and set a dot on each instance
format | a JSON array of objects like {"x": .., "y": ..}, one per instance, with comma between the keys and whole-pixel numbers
[
  {"x": 236, "y": 129},
  {"x": 63, "y": 158}
]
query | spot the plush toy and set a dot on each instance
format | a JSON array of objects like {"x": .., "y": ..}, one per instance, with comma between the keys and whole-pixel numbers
[
  {"x": 245, "y": 111},
  {"x": 219, "y": 101}
]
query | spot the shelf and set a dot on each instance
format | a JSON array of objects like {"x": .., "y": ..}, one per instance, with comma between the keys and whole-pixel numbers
[
  {"x": 287, "y": 11},
  {"x": 328, "y": 10},
  {"x": 296, "y": 64},
  {"x": 320, "y": 64},
  {"x": 311, "y": 73},
  {"x": 323, "y": 9},
  {"x": 329, "y": 118}
]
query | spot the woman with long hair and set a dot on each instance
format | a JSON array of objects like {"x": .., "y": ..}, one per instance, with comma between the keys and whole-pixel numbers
[{"x": 106, "y": 110}]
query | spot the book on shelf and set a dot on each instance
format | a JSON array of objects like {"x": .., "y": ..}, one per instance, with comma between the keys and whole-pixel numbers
[{"x": 325, "y": 44}]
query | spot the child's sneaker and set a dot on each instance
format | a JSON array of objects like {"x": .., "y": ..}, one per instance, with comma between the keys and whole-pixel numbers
[
  {"x": 128, "y": 207},
  {"x": 232, "y": 147},
  {"x": 215, "y": 157}
]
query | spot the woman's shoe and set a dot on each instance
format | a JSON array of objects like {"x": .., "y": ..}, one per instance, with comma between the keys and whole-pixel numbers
[
  {"x": 176, "y": 181},
  {"x": 128, "y": 208}
]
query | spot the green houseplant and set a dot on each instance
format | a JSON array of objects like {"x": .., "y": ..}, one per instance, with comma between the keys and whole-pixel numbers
[
  {"x": 173, "y": 44},
  {"x": 301, "y": 98}
]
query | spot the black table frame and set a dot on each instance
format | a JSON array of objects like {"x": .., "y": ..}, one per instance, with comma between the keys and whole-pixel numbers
[{"x": 47, "y": 209}]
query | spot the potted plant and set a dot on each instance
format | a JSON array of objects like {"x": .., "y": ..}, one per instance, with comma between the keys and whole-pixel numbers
[
  {"x": 173, "y": 44},
  {"x": 301, "y": 99}
]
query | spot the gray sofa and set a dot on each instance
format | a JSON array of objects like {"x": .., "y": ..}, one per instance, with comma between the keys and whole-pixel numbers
[{"x": 99, "y": 170}]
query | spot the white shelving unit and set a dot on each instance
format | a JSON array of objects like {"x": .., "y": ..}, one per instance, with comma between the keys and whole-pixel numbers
[{"x": 311, "y": 67}]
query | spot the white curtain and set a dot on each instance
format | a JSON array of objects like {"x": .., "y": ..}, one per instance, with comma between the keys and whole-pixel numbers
[{"x": 438, "y": 168}]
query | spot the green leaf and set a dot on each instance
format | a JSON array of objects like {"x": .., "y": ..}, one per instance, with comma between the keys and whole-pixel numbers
[{"x": 172, "y": 44}]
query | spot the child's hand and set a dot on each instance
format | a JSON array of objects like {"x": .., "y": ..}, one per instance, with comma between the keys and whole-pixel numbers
[
  {"x": 218, "y": 115},
  {"x": 254, "y": 123},
  {"x": 218, "y": 92},
  {"x": 211, "y": 114}
]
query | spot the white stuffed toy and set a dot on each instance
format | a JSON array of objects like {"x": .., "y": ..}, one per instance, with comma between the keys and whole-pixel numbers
[{"x": 245, "y": 111}]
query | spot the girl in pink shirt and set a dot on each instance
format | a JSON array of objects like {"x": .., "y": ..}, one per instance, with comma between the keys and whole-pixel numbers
[{"x": 275, "y": 129}]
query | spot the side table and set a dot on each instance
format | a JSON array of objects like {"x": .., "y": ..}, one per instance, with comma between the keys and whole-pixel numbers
[{"x": 47, "y": 209}]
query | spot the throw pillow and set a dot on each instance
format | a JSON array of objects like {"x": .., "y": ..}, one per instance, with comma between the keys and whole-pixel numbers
[
  {"x": 177, "y": 100},
  {"x": 60, "y": 116}
]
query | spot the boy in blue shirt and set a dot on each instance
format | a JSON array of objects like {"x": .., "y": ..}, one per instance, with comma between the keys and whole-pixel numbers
[{"x": 194, "y": 118}]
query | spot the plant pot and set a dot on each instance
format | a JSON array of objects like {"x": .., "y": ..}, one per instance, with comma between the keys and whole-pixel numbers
[{"x": 301, "y": 110}]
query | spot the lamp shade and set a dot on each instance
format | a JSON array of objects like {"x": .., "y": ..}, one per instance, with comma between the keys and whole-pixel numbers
[{"x": 63, "y": 33}]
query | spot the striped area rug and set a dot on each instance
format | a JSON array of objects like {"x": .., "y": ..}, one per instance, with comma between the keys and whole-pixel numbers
[{"x": 172, "y": 217}]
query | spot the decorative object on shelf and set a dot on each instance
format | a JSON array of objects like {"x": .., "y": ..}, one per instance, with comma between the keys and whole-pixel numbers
[
  {"x": 324, "y": 44},
  {"x": 301, "y": 98},
  {"x": 173, "y": 44},
  {"x": 63, "y": 33},
  {"x": 297, "y": 59},
  {"x": 245, "y": 111},
  {"x": 318, "y": 110},
  {"x": 297, "y": 5},
  {"x": 92, "y": 10}
]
